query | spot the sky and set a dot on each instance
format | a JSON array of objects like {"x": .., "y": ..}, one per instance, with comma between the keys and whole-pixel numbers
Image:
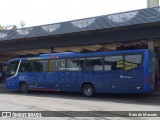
[{"x": 40, "y": 12}]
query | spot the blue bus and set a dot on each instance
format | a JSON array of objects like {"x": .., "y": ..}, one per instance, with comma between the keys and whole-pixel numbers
[{"x": 128, "y": 71}]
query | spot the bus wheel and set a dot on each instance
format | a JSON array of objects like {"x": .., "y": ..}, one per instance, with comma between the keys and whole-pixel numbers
[
  {"x": 88, "y": 90},
  {"x": 24, "y": 88}
]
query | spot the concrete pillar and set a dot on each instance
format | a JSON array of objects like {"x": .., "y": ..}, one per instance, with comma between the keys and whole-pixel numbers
[
  {"x": 152, "y": 3},
  {"x": 52, "y": 50},
  {"x": 151, "y": 44}
]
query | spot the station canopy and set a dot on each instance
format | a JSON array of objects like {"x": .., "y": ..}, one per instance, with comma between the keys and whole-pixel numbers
[{"x": 142, "y": 16}]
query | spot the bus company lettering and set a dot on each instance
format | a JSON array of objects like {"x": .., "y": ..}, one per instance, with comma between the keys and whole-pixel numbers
[{"x": 76, "y": 77}]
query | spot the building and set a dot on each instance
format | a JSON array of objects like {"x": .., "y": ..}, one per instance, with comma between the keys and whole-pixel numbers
[{"x": 127, "y": 30}]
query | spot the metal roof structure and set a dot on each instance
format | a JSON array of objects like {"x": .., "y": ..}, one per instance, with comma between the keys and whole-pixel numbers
[{"x": 136, "y": 17}]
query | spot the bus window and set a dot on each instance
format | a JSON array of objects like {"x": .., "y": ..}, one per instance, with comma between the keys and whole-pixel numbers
[
  {"x": 94, "y": 64},
  {"x": 40, "y": 65},
  {"x": 57, "y": 65},
  {"x": 113, "y": 62},
  {"x": 75, "y": 64},
  {"x": 132, "y": 61},
  {"x": 12, "y": 68},
  {"x": 26, "y": 66}
]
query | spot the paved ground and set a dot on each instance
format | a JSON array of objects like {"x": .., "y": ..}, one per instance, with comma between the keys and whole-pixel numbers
[{"x": 55, "y": 101}]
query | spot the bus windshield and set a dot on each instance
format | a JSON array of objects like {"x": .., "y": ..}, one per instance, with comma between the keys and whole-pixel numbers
[{"x": 12, "y": 68}]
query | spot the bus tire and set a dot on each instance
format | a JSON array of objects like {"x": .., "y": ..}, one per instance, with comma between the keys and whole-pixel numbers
[
  {"x": 88, "y": 90},
  {"x": 24, "y": 88}
]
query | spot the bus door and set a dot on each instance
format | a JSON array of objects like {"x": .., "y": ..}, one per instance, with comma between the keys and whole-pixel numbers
[
  {"x": 26, "y": 74},
  {"x": 33, "y": 73}
]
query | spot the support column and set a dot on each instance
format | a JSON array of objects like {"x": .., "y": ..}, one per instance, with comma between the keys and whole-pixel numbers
[
  {"x": 151, "y": 44},
  {"x": 152, "y": 3},
  {"x": 154, "y": 60},
  {"x": 52, "y": 50}
]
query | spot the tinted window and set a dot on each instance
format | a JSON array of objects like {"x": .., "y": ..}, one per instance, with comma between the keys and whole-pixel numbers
[
  {"x": 113, "y": 62},
  {"x": 26, "y": 66},
  {"x": 57, "y": 65},
  {"x": 132, "y": 61},
  {"x": 40, "y": 65},
  {"x": 12, "y": 68},
  {"x": 76, "y": 64},
  {"x": 94, "y": 64}
]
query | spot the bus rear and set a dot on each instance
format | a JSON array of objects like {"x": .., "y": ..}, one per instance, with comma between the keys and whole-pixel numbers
[{"x": 149, "y": 71}]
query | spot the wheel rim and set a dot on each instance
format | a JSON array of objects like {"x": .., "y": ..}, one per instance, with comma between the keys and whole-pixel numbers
[{"x": 88, "y": 91}]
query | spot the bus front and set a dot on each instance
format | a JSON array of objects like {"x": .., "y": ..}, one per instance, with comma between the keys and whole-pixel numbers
[{"x": 11, "y": 75}]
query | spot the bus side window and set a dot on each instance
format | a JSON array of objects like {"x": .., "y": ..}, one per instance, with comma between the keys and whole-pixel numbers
[
  {"x": 57, "y": 65},
  {"x": 94, "y": 64},
  {"x": 26, "y": 66},
  {"x": 75, "y": 64},
  {"x": 113, "y": 62},
  {"x": 40, "y": 65},
  {"x": 132, "y": 61}
]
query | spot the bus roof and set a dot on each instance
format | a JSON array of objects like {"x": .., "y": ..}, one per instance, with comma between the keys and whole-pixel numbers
[{"x": 76, "y": 54}]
